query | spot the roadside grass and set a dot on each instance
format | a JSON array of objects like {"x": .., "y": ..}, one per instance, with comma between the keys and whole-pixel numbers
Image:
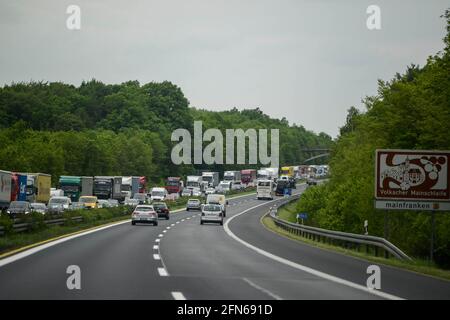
[
  {"x": 417, "y": 265},
  {"x": 13, "y": 241}
]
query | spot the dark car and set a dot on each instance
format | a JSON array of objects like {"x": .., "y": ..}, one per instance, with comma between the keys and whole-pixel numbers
[
  {"x": 161, "y": 209},
  {"x": 18, "y": 208}
]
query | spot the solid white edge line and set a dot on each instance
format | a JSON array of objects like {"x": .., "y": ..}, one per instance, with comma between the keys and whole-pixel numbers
[
  {"x": 178, "y": 295},
  {"x": 254, "y": 285},
  {"x": 44, "y": 246},
  {"x": 295, "y": 265},
  {"x": 162, "y": 272}
]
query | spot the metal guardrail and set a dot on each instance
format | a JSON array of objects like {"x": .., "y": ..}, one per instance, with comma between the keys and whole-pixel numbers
[
  {"x": 20, "y": 227},
  {"x": 348, "y": 240}
]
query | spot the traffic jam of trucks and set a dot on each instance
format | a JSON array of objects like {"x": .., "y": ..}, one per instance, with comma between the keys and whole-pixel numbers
[{"x": 22, "y": 193}]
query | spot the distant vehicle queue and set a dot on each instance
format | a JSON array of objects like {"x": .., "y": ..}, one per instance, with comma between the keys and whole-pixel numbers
[{"x": 22, "y": 193}]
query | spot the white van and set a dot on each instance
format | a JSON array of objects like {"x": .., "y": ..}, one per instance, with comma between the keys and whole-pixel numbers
[
  {"x": 218, "y": 199},
  {"x": 158, "y": 194},
  {"x": 264, "y": 189}
]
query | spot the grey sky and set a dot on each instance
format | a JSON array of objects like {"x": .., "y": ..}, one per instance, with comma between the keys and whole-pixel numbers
[{"x": 307, "y": 61}]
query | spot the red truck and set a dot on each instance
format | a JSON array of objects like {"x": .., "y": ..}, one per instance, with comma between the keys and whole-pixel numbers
[
  {"x": 174, "y": 185},
  {"x": 142, "y": 184},
  {"x": 248, "y": 177}
]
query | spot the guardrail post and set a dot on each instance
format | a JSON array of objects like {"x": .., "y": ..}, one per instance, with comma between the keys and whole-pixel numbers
[{"x": 376, "y": 251}]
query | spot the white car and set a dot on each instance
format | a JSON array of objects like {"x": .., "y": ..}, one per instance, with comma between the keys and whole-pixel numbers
[
  {"x": 59, "y": 204},
  {"x": 237, "y": 185},
  {"x": 132, "y": 202},
  {"x": 210, "y": 190},
  {"x": 223, "y": 187},
  {"x": 212, "y": 213},
  {"x": 186, "y": 192},
  {"x": 196, "y": 192},
  {"x": 144, "y": 214},
  {"x": 103, "y": 204}
]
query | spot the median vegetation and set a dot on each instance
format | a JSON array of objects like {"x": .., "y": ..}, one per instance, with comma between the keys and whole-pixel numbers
[{"x": 38, "y": 230}]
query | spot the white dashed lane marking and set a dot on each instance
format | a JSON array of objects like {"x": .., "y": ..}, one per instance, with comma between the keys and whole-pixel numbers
[{"x": 162, "y": 272}]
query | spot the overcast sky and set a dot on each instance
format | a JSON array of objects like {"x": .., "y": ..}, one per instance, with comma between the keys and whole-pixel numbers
[{"x": 308, "y": 61}]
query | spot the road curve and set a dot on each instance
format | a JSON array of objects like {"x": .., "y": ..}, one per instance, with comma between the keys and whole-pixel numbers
[{"x": 182, "y": 259}]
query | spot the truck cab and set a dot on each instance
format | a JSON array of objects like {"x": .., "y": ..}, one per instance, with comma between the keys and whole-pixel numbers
[{"x": 174, "y": 185}]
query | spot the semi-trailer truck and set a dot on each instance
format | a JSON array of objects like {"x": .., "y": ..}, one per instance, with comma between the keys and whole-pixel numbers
[
  {"x": 232, "y": 176},
  {"x": 248, "y": 177},
  {"x": 130, "y": 186},
  {"x": 75, "y": 187},
  {"x": 18, "y": 187},
  {"x": 174, "y": 185},
  {"x": 287, "y": 171},
  {"x": 270, "y": 173},
  {"x": 38, "y": 187},
  {"x": 211, "y": 178},
  {"x": 5, "y": 189}
]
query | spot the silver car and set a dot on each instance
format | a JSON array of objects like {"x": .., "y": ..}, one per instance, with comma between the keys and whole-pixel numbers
[
  {"x": 212, "y": 213},
  {"x": 193, "y": 204},
  {"x": 38, "y": 207},
  {"x": 144, "y": 214}
]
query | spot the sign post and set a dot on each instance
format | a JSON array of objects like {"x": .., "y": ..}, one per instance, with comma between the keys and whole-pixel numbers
[{"x": 412, "y": 180}]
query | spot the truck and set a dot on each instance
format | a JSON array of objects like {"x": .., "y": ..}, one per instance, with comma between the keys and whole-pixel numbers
[
  {"x": 18, "y": 187},
  {"x": 38, "y": 187},
  {"x": 193, "y": 182},
  {"x": 232, "y": 176},
  {"x": 283, "y": 187},
  {"x": 142, "y": 184},
  {"x": 248, "y": 177},
  {"x": 174, "y": 185},
  {"x": 272, "y": 173},
  {"x": 130, "y": 185},
  {"x": 262, "y": 174},
  {"x": 103, "y": 187},
  {"x": 5, "y": 189},
  {"x": 75, "y": 187},
  {"x": 212, "y": 178},
  {"x": 287, "y": 171}
]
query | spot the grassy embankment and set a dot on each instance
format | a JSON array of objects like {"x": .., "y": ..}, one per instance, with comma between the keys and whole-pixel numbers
[{"x": 289, "y": 213}]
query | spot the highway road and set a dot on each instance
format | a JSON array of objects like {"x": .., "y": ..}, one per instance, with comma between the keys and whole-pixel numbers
[{"x": 180, "y": 259}]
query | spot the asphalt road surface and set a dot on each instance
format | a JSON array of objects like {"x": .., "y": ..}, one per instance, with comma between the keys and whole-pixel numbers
[{"x": 181, "y": 259}]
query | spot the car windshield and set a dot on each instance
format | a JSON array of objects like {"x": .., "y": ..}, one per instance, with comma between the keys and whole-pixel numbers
[
  {"x": 158, "y": 193},
  {"x": 69, "y": 188},
  {"x": 159, "y": 205},
  {"x": 194, "y": 201},
  {"x": 88, "y": 199},
  {"x": 18, "y": 205},
  {"x": 144, "y": 208},
  {"x": 38, "y": 205},
  {"x": 58, "y": 201},
  {"x": 213, "y": 208},
  {"x": 139, "y": 196},
  {"x": 264, "y": 184},
  {"x": 224, "y": 185}
]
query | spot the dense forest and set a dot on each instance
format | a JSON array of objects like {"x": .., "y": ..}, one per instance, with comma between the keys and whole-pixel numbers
[
  {"x": 412, "y": 111},
  {"x": 119, "y": 129}
]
